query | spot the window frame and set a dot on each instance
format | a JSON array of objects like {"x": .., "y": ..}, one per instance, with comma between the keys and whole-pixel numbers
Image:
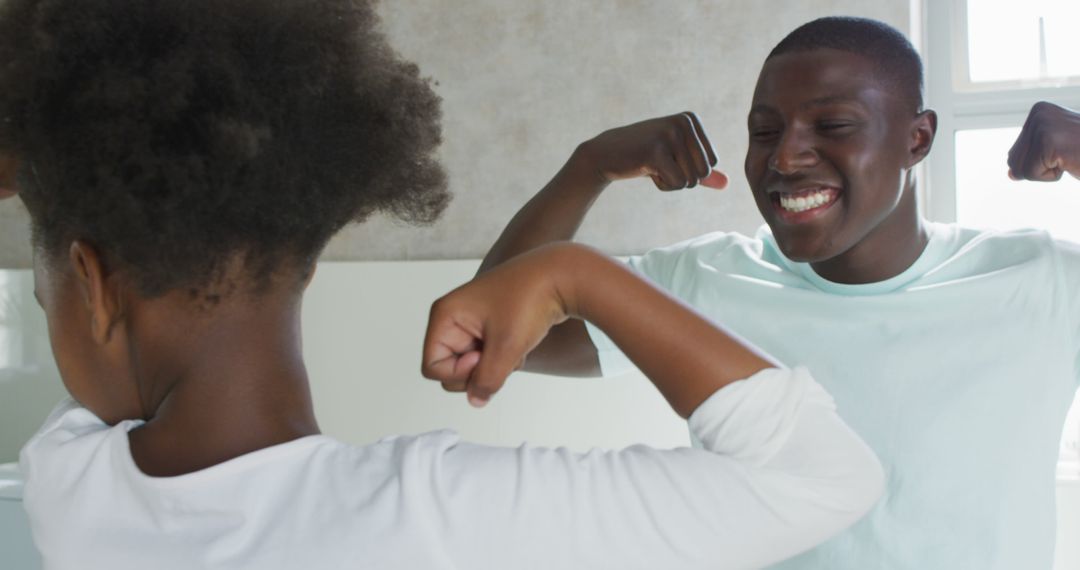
[{"x": 991, "y": 105}]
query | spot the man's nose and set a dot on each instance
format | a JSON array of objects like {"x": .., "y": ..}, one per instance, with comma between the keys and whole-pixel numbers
[{"x": 793, "y": 153}]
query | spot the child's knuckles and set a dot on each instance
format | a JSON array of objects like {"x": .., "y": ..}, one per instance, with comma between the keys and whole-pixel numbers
[
  {"x": 490, "y": 379},
  {"x": 491, "y": 383},
  {"x": 439, "y": 310},
  {"x": 453, "y": 386},
  {"x": 429, "y": 366},
  {"x": 439, "y": 371},
  {"x": 481, "y": 394}
]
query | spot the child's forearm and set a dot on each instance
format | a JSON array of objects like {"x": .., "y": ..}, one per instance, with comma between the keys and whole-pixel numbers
[
  {"x": 481, "y": 332},
  {"x": 553, "y": 215},
  {"x": 686, "y": 356}
]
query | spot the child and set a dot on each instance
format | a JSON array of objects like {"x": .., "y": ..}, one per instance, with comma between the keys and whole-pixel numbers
[
  {"x": 184, "y": 163},
  {"x": 952, "y": 351}
]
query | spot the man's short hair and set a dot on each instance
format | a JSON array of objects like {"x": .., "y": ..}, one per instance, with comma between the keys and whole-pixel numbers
[{"x": 896, "y": 60}]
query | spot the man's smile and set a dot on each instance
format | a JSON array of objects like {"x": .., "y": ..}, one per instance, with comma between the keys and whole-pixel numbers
[{"x": 795, "y": 206}]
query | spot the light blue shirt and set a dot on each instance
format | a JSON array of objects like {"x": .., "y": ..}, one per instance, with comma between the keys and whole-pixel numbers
[{"x": 958, "y": 372}]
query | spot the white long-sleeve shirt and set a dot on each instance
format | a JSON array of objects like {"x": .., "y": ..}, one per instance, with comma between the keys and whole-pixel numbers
[{"x": 780, "y": 472}]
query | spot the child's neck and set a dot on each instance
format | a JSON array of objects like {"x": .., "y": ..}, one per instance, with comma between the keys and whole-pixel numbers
[{"x": 221, "y": 387}]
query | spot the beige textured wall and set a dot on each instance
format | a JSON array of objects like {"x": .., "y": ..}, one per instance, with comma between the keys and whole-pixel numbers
[{"x": 525, "y": 81}]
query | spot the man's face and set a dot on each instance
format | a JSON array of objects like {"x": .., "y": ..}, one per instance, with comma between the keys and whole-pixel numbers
[{"x": 829, "y": 151}]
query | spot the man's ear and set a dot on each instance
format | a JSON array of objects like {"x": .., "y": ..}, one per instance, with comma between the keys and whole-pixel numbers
[
  {"x": 9, "y": 169},
  {"x": 923, "y": 130},
  {"x": 99, "y": 290}
]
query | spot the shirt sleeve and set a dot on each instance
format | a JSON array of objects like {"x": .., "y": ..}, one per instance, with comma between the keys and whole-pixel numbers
[{"x": 780, "y": 473}]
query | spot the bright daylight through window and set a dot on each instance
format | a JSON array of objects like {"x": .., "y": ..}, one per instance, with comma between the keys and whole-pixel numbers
[{"x": 1033, "y": 40}]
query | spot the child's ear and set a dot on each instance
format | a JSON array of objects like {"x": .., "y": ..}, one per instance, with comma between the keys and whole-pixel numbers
[
  {"x": 99, "y": 290},
  {"x": 9, "y": 168},
  {"x": 923, "y": 129}
]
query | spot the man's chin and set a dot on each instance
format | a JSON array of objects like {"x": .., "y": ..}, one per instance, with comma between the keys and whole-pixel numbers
[{"x": 803, "y": 250}]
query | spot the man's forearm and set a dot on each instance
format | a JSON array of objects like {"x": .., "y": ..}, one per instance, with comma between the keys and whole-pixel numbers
[
  {"x": 673, "y": 151},
  {"x": 554, "y": 214}
]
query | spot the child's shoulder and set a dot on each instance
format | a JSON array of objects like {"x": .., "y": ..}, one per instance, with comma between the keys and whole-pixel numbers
[
  {"x": 68, "y": 421},
  {"x": 71, "y": 435}
]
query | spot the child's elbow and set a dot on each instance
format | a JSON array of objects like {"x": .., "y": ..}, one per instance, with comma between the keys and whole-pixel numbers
[
  {"x": 868, "y": 488},
  {"x": 846, "y": 491},
  {"x": 861, "y": 487}
]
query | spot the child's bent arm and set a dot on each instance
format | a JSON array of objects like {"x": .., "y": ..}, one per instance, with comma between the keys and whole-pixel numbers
[
  {"x": 555, "y": 214},
  {"x": 481, "y": 332},
  {"x": 781, "y": 472}
]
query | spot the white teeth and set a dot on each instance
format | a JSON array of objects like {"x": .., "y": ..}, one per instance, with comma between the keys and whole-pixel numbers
[{"x": 803, "y": 203}]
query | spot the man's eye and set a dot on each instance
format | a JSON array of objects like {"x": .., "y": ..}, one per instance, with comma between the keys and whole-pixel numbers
[
  {"x": 763, "y": 134},
  {"x": 834, "y": 126}
]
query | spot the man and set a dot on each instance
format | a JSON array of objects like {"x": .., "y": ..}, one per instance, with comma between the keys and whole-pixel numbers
[{"x": 951, "y": 351}]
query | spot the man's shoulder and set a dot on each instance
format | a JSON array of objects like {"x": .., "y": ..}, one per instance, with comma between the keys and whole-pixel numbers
[
  {"x": 709, "y": 258},
  {"x": 967, "y": 251},
  {"x": 1006, "y": 244},
  {"x": 966, "y": 234}
]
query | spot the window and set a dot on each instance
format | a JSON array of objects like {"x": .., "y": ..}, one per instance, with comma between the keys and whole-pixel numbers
[
  {"x": 1015, "y": 44},
  {"x": 987, "y": 63}
]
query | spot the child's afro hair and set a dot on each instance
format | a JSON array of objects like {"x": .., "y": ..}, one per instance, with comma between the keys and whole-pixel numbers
[{"x": 177, "y": 136}]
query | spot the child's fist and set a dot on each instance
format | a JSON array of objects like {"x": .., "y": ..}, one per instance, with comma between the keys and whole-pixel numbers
[{"x": 482, "y": 331}]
